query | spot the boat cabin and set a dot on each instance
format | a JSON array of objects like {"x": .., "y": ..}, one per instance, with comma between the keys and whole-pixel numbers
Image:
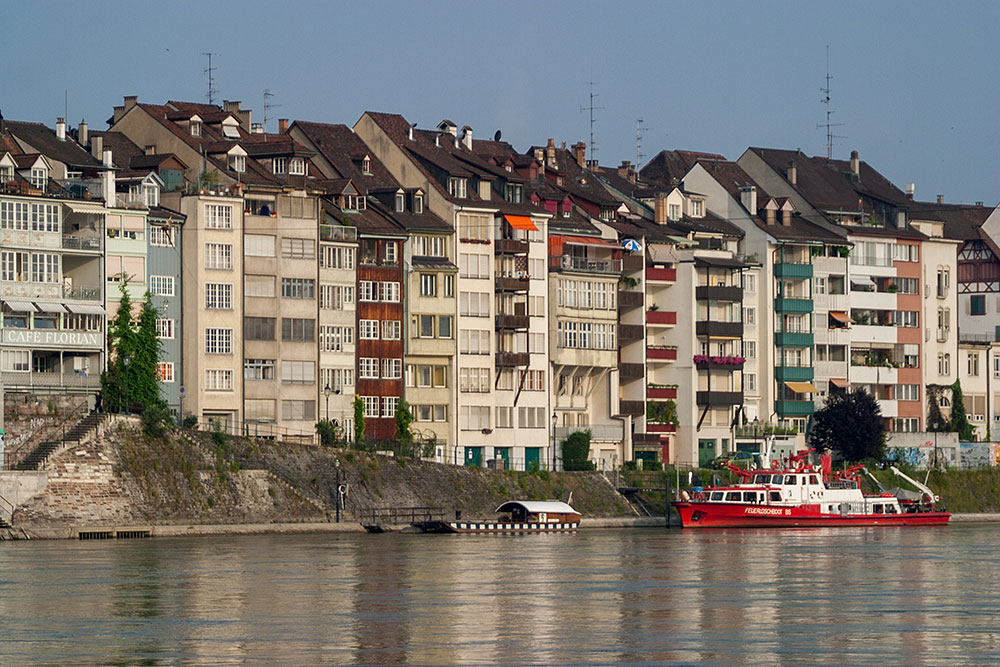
[
  {"x": 539, "y": 511},
  {"x": 804, "y": 488}
]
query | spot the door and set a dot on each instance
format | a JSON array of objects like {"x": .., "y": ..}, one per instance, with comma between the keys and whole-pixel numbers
[
  {"x": 503, "y": 453},
  {"x": 706, "y": 452},
  {"x": 532, "y": 458},
  {"x": 474, "y": 456}
]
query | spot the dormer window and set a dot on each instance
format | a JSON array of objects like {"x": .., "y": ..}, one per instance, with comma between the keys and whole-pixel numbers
[
  {"x": 697, "y": 208},
  {"x": 485, "y": 190},
  {"x": 195, "y": 128},
  {"x": 362, "y": 205},
  {"x": 239, "y": 163},
  {"x": 508, "y": 168},
  {"x": 350, "y": 203},
  {"x": 674, "y": 212},
  {"x": 366, "y": 165},
  {"x": 231, "y": 131},
  {"x": 6, "y": 174},
  {"x": 297, "y": 167},
  {"x": 458, "y": 187},
  {"x": 280, "y": 165},
  {"x": 150, "y": 195},
  {"x": 560, "y": 180},
  {"x": 400, "y": 202},
  {"x": 389, "y": 252},
  {"x": 39, "y": 177},
  {"x": 514, "y": 193},
  {"x": 418, "y": 203}
]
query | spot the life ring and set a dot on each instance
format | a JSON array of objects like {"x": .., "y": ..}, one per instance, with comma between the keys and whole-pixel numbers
[
  {"x": 775, "y": 465},
  {"x": 685, "y": 496}
]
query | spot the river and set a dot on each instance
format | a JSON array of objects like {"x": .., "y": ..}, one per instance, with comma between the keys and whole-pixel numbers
[{"x": 849, "y": 596}]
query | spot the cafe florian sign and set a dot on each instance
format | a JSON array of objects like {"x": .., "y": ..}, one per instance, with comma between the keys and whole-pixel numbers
[{"x": 46, "y": 338}]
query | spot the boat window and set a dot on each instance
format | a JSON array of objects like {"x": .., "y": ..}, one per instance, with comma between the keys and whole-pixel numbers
[
  {"x": 775, "y": 496},
  {"x": 890, "y": 509},
  {"x": 877, "y": 509},
  {"x": 789, "y": 479},
  {"x": 761, "y": 479},
  {"x": 813, "y": 479},
  {"x": 803, "y": 479},
  {"x": 734, "y": 496},
  {"x": 717, "y": 495},
  {"x": 750, "y": 496}
]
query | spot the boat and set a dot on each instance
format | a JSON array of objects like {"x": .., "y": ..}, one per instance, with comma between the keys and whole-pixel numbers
[
  {"x": 516, "y": 516},
  {"x": 794, "y": 493}
]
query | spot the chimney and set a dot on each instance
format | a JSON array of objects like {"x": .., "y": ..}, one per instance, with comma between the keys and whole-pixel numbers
[
  {"x": 979, "y": 204},
  {"x": 108, "y": 179},
  {"x": 411, "y": 133},
  {"x": 624, "y": 168},
  {"x": 232, "y": 107},
  {"x": 550, "y": 155},
  {"x": 106, "y": 160},
  {"x": 660, "y": 208},
  {"x": 940, "y": 199},
  {"x": 467, "y": 137},
  {"x": 282, "y": 125},
  {"x": 748, "y": 197},
  {"x": 911, "y": 189},
  {"x": 118, "y": 113},
  {"x": 97, "y": 147},
  {"x": 793, "y": 173},
  {"x": 83, "y": 134},
  {"x": 580, "y": 153},
  {"x": 130, "y": 101},
  {"x": 855, "y": 164},
  {"x": 540, "y": 159},
  {"x": 258, "y": 128},
  {"x": 61, "y": 129}
]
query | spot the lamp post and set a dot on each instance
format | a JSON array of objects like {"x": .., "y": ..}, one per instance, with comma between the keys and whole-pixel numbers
[
  {"x": 326, "y": 392},
  {"x": 554, "y": 420}
]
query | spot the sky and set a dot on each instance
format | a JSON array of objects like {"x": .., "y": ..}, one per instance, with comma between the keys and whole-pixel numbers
[{"x": 913, "y": 84}]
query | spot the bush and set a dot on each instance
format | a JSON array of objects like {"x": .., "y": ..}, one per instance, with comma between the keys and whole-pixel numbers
[
  {"x": 155, "y": 419},
  {"x": 190, "y": 421},
  {"x": 576, "y": 451}
]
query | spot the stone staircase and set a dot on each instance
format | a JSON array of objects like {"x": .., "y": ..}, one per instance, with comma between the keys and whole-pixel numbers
[{"x": 37, "y": 458}]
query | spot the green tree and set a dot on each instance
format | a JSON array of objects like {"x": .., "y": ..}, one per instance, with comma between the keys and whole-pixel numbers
[
  {"x": 359, "y": 420},
  {"x": 144, "y": 385},
  {"x": 116, "y": 381},
  {"x": 959, "y": 420},
  {"x": 576, "y": 451},
  {"x": 851, "y": 424},
  {"x": 935, "y": 420},
  {"x": 403, "y": 420}
]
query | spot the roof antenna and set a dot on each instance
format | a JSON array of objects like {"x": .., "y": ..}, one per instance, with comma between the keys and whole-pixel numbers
[
  {"x": 592, "y": 109},
  {"x": 830, "y": 136},
  {"x": 268, "y": 106},
  {"x": 639, "y": 129},
  {"x": 211, "y": 80}
]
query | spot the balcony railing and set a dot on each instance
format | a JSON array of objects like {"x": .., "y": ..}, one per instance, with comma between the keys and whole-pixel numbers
[
  {"x": 718, "y": 293},
  {"x": 794, "y": 373},
  {"x": 646, "y": 439},
  {"x": 719, "y": 398},
  {"x": 337, "y": 233},
  {"x": 661, "y": 353},
  {"x": 629, "y": 299},
  {"x": 794, "y": 408},
  {"x": 631, "y": 263},
  {"x": 81, "y": 242},
  {"x": 82, "y": 293},
  {"x": 631, "y": 371},
  {"x": 586, "y": 264},
  {"x": 510, "y": 359},
  {"x": 630, "y": 332},
  {"x": 793, "y": 305},
  {"x": 793, "y": 270},
  {"x": 511, "y": 247},
  {"x": 723, "y": 363},
  {"x": 512, "y": 284},
  {"x": 661, "y": 428},
  {"x": 632, "y": 408},
  {"x": 655, "y": 275},
  {"x": 603, "y": 432},
  {"x": 661, "y": 392},
  {"x": 721, "y": 329},
  {"x": 22, "y": 379},
  {"x": 661, "y": 317},
  {"x": 512, "y": 321}
]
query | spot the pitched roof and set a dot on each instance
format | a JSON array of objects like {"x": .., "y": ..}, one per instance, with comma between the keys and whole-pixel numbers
[
  {"x": 961, "y": 222},
  {"x": 668, "y": 167},
  {"x": 43, "y": 140}
]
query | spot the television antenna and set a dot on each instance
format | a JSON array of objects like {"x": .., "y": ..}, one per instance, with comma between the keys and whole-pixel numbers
[
  {"x": 210, "y": 71},
  {"x": 268, "y": 105},
  {"x": 829, "y": 125},
  {"x": 592, "y": 109},
  {"x": 639, "y": 129}
]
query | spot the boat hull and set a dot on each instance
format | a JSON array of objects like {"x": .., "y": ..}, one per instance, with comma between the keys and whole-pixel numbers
[
  {"x": 496, "y": 527},
  {"x": 735, "y": 515}
]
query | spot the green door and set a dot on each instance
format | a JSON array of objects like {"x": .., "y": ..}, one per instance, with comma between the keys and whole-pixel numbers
[
  {"x": 503, "y": 453},
  {"x": 532, "y": 458},
  {"x": 474, "y": 456},
  {"x": 706, "y": 452}
]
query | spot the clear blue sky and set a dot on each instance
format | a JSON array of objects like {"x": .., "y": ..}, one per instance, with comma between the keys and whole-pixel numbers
[{"x": 914, "y": 83}]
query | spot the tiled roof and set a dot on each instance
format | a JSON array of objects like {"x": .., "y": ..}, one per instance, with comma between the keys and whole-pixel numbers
[
  {"x": 961, "y": 221},
  {"x": 667, "y": 168},
  {"x": 43, "y": 140}
]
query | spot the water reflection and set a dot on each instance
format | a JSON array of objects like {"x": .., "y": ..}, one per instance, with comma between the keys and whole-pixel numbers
[{"x": 856, "y": 596}]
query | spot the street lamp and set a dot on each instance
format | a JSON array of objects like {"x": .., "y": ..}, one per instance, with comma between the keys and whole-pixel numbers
[
  {"x": 326, "y": 392},
  {"x": 554, "y": 420}
]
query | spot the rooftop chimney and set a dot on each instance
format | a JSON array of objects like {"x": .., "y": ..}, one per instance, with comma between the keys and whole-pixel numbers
[
  {"x": 660, "y": 208},
  {"x": 258, "y": 128},
  {"x": 580, "y": 153},
  {"x": 550, "y": 154},
  {"x": 467, "y": 137},
  {"x": 411, "y": 133},
  {"x": 540, "y": 159},
  {"x": 911, "y": 188},
  {"x": 106, "y": 160},
  {"x": 855, "y": 164},
  {"x": 83, "y": 134},
  {"x": 748, "y": 197},
  {"x": 61, "y": 129},
  {"x": 940, "y": 199},
  {"x": 130, "y": 101},
  {"x": 97, "y": 147},
  {"x": 793, "y": 173},
  {"x": 282, "y": 125}
]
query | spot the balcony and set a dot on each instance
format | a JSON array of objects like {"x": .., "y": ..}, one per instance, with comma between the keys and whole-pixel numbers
[
  {"x": 631, "y": 371},
  {"x": 718, "y": 293},
  {"x": 512, "y": 284},
  {"x": 727, "y": 363},
  {"x": 878, "y": 374},
  {"x": 867, "y": 333},
  {"x": 511, "y": 247},
  {"x": 512, "y": 321},
  {"x": 661, "y": 353},
  {"x": 719, "y": 329},
  {"x": 794, "y": 408},
  {"x": 585, "y": 264},
  {"x": 337, "y": 233},
  {"x": 793, "y": 339},
  {"x": 511, "y": 359},
  {"x": 71, "y": 242},
  {"x": 629, "y": 299},
  {"x": 790, "y": 270},
  {"x": 666, "y": 318},
  {"x": 661, "y": 392},
  {"x": 794, "y": 373},
  {"x": 29, "y": 380},
  {"x": 630, "y": 332},
  {"x": 632, "y": 263},
  {"x": 646, "y": 439},
  {"x": 661, "y": 428},
  {"x": 632, "y": 408},
  {"x": 718, "y": 399},
  {"x": 661, "y": 275},
  {"x": 793, "y": 305}
]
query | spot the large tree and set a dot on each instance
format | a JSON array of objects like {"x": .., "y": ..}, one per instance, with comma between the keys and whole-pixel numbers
[
  {"x": 959, "y": 420},
  {"x": 851, "y": 424},
  {"x": 116, "y": 379},
  {"x": 144, "y": 387}
]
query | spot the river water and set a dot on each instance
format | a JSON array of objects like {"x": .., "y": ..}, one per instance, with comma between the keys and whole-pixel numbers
[{"x": 846, "y": 596}]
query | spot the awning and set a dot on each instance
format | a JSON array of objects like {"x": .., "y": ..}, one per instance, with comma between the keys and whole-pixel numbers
[
  {"x": 49, "y": 307},
  {"x": 864, "y": 281},
  {"x": 20, "y": 306},
  {"x": 802, "y": 387},
  {"x": 587, "y": 240},
  {"x": 80, "y": 207},
  {"x": 840, "y": 382},
  {"x": 661, "y": 254},
  {"x": 521, "y": 222},
  {"x": 841, "y": 316},
  {"x": 719, "y": 262},
  {"x": 682, "y": 240},
  {"x": 85, "y": 309}
]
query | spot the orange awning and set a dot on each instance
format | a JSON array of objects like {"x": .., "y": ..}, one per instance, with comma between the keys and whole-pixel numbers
[
  {"x": 802, "y": 387},
  {"x": 841, "y": 316},
  {"x": 521, "y": 222},
  {"x": 587, "y": 240},
  {"x": 840, "y": 382}
]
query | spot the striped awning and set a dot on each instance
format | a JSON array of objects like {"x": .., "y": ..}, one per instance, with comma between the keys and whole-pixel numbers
[
  {"x": 85, "y": 309},
  {"x": 521, "y": 222},
  {"x": 841, "y": 316},
  {"x": 802, "y": 387},
  {"x": 50, "y": 307},
  {"x": 20, "y": 306}
]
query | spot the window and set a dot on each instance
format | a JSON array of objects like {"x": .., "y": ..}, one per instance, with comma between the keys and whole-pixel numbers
[
  {"x": 219, "y": 256},
  {"x": 161, "y": 285},
  {"x": 475, "y": 227},
  {"x": 219, "y": 296},
  {"x": 750, "y": 349},
  {"x": 750, "y": 383},
  {"x": 418, "y": 203},
  {"x": 907, "y": 392},
  {"x": 750, "y": 282},
  {"x": 39, "y": 177},
  {"x": 258, "y": 369},
  {"x": 16, "y": 360},
  {"x": 164, "y": 328},
  {"x": 333, "y": 339},
  {"x": 944, "y": 364},
  {"x": 389, "y": 406},
  {"x": 239, "y": 163},
  {"x": 298, "y": 329},
  {"x": 392, "y": 369},
  {"x": 426, "y": 326},
  {"x": 906, "y": 425},
  {"x": 217, "y": 379},
  {"x": 336, "y": 257},
  {"x": 368, "y": 329},
  {"x": 943, "y": 280},
  {"x": 258, "y": 409},
  {"x": 298, "y": 248},
  {"x": 972, "y": 362},
  {"x": 472, "y": 265},
  {"x": 532, "y": 380},
  {"x": 218, "y": 216},
  {"x": 298, "y": 288},
  {"x": 389, "y": 291},
  {"x": 430, "y": 246},
  {"x": 258, "y": 286},
  {"x": 819, "y": 285},
  {"x": 474, "y": 341},
  {"x": 444, "y": 326},
  {"x": 977, "y": 304},
  {"x": 473, "y": 417},
  {"x": 367, "y": 368},
  {"x": 400, "y": 202},
  {"x": 297, "y": 167},
  {"x": 195, "y": 128},
  {"x": 697, "y": 208},
  {"x": 428, "y": 284},
  {"x": 218, "y": 341},
  {"x": 259, "y": 328},
  {"x": 298, "y": 372},
  {"x": 165, "y": 371},
  {"x": 531, "y": 417},
  {"x": 366, "y": 290},
  {"x": 474, "y": 380},
  {"x": 458, "y": 187},
  {"x": 371, "y": 405},
  {"x": 298, "y": 410},
  {"x": 279, "y": 165},
  {"x": 749, "y": 316},
  {"x": 674, "y": 212},
  {"x": 366, "y": 165},
  {"x": 337, "y": 378},
  {"x": 161, "y": 236},
  {"x": 258, "y": 245},
  {"x": 505, "y": 416},
  {"x": 474, "y": 304},
  {"x": 391, "y": 329},
  {"x": 389, "y": 252}
]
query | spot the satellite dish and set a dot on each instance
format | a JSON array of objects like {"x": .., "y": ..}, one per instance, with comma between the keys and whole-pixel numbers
[{"x": 496, "y": 135}]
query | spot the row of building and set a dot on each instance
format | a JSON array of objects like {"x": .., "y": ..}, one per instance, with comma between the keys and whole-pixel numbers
[{"x": 508, "y": 297}]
